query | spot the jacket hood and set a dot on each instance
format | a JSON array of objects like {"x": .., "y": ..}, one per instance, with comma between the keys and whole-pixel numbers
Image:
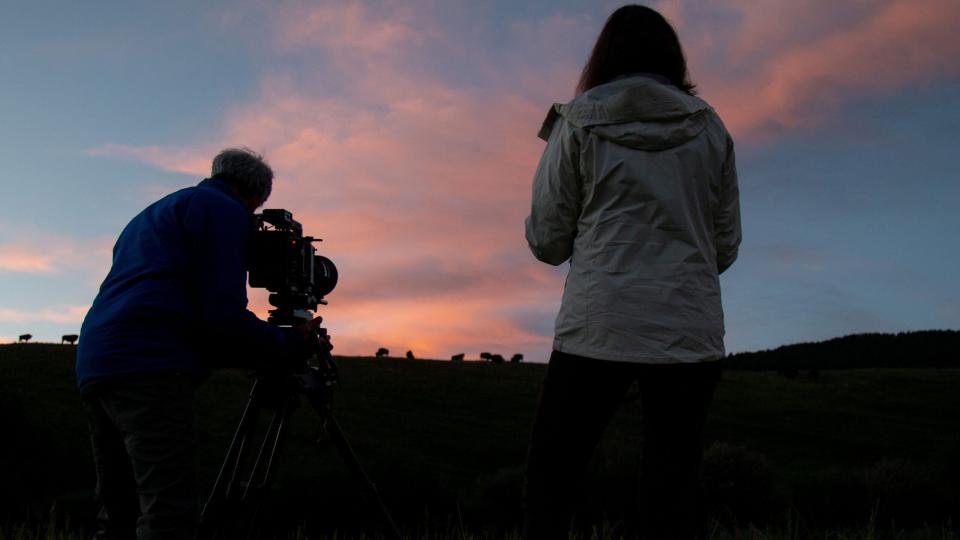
[{"x": 635, "y": 111}]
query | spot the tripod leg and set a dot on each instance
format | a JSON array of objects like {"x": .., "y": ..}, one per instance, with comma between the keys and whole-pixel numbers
[
  {"x": 247, "y": 505},
  {"x": 220, "y": 494},
  {"x": 353, "y": 463},
  {"x": 261, "y": 474},
  {"x": 232, "y": 508}
]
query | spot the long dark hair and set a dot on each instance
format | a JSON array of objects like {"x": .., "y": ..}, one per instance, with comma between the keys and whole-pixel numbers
[{"x": 636, "y": 39}]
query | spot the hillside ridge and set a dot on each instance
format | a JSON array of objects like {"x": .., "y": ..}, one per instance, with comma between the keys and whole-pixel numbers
[{"x": 915, "y": 349}]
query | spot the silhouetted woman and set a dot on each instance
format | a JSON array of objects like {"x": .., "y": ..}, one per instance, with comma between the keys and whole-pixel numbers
[{"x": 637, "y": 188}]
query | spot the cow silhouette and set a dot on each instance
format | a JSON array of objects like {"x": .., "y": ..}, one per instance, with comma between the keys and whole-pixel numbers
[
  {"x": 496, "y": 358},
  {"x": 485, "y": 356},
  {"x": 517, "y": 358},
  {"x": 381, "y": 352},
  {"x": 457, "y": 358},
  {"x": 24, "y": 338},
  {"x": 410, "y": 355},
  {"x": 69, "y": 338}
]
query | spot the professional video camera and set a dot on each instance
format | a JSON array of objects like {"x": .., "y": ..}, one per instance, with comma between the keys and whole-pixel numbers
[{"x": 284, "y": 262}]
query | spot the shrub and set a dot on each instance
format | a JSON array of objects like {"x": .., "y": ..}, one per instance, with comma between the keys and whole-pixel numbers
[
  {"x": 908, "y": 493},
  {"x": 739, "y": 485}
]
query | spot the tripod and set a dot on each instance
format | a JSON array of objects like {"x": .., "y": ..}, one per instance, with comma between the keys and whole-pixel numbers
[{"x": 231, "y": 510}]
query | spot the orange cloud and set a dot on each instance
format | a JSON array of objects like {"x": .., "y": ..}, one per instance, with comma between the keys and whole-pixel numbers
[
  {"x": 419, "y": 189},
  {"x": 18, "y": 259},
  {"x": 422, "y": 211},
  {"x": 186, "y": 161},
  {"x": 67, "y": 314},
  {"x": 784, "y": 66},
  {"x": 38, "y": 253},
  {"x": 347, "y": 26},
  {"x": 419, "y": 186},
  {"x": 431, "y": 323}
]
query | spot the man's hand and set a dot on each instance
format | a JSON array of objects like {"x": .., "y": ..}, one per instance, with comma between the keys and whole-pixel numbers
[{"x": 313, "y": 336}]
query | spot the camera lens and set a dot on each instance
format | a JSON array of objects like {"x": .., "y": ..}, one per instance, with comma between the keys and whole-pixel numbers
[{"x": 324, "y": 276}]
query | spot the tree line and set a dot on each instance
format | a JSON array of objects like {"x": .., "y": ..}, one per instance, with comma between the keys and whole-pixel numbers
[{"x": 921, "y": 349}]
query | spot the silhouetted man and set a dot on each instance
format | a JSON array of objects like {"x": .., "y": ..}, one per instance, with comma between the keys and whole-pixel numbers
[{"x": 173, "y": 304}]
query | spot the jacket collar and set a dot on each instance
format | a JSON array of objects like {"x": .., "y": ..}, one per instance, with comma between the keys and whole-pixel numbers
[
  {"x": 221, "y": 186},
  {"x": 655, "y": 76},
  {"x": 636, "y": 111}
]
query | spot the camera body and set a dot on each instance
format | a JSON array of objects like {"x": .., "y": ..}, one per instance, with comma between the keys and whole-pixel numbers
[{"x": 283, "y": 261}]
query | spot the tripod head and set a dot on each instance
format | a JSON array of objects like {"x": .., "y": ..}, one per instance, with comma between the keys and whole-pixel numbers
[
  {"x": 324, "y": 375},
  {"x": 288, "y": 316},
  {"x": 316, "y": 374}
]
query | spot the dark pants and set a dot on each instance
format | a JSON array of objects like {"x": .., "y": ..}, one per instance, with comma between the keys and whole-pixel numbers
[
  {"x": 578, "y": 398},
  {"x": 144, "y": 440}
]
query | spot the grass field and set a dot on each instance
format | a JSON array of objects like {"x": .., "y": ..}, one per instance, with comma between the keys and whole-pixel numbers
[{"x": 445, "y": 443}]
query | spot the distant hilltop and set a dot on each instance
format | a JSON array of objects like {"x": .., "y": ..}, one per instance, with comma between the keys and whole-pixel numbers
[{"x": 922, "y": 349}]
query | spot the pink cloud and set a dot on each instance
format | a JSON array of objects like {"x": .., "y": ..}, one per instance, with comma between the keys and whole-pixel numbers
[
  {"x": 419, "y": 186},
  {"x": 45, "y": 254},
  {"x": 19, "y": 259},
  {"x": 184, "y": 160},
  {"x": 432, "y": 326},
  {"x": 772, "y": 66},
  {"x": 348, "y": 26},
  {"x": 416, "y": 206},
  {"x": 66, "y": 314},
  {"x": 554, "y": 50}
]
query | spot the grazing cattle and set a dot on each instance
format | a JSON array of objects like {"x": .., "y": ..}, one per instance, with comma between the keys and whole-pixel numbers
[
  {"x": 516, "y": 359},
  {"x": 69, "y": 338},
  {"x": 485, "y": 356},
  {"x": 381, "y": 352},
  {"x": 496, "y": 358},
  {"x": 24, "y": 338},
  {"x": 457, "y": 358},
  {"x": 410, "y": 355}
]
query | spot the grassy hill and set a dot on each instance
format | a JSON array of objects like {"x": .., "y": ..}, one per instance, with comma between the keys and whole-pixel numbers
[{"x": 446, "y": 442}]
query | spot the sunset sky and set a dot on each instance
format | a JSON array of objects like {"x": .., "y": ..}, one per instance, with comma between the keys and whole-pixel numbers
[{"x": 404, "y": 135}]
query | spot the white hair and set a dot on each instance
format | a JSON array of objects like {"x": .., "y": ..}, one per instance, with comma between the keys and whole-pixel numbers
[{"x": 245, "y": 170}]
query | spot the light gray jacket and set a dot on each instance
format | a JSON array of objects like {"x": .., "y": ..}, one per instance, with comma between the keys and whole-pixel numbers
[{"x": 638, "y": 188}]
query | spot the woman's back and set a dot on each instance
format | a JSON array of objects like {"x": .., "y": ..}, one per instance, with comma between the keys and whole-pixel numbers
[{"x": 638, "y": 187}]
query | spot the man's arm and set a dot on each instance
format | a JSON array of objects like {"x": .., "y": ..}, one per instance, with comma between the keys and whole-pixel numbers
[
  {"x": 555, "y": 209},
  {"x": 218, "y": 230}
]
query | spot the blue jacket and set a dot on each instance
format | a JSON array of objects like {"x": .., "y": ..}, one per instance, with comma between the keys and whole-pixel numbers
[{"x": 175, "y": 298}]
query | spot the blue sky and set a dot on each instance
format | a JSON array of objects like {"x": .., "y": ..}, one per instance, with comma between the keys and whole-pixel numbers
[{"x": 404, "y": 135}]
